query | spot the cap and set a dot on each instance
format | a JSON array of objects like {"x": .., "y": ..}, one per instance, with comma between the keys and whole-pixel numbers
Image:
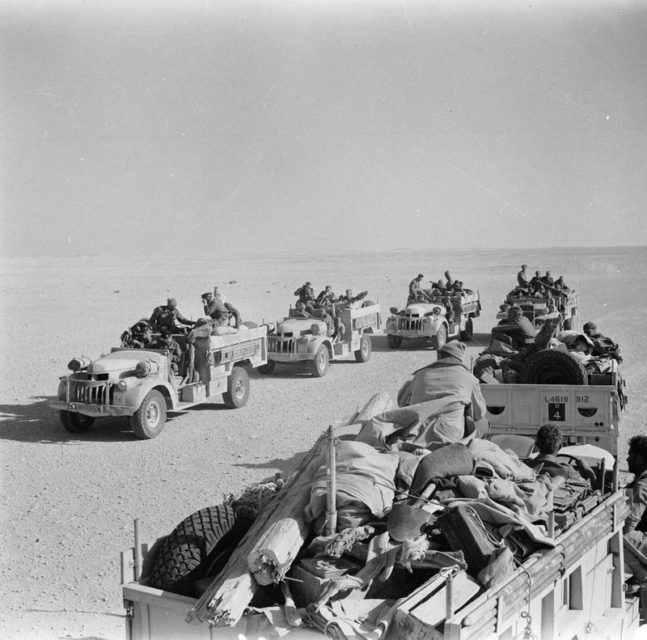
[
  {"x": 524, "y": 266},
  {"x": 165, "y": 332},
  {"x": 307, "y": 284},
  {"x": 206, "y": 294},
  {"x": 455, "y": 349},
  {"x": 420, "y": 275},
  {"x": 590, "y": 326},
  {"x": 171, "y": 300}
]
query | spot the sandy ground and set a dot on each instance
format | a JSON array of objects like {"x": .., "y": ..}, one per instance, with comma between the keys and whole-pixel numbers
[{"x": 68, "y": 502}]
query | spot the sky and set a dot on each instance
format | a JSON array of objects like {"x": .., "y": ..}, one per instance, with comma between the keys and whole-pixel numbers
[{"x": 210, "y": 127}]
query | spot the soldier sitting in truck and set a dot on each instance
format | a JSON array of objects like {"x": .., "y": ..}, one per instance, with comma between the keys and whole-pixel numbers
[
  {"x": 635, "y": 529},
  {"x": 168, "y": 315},
  {"x": 416, "y": 292},
  {"x": 138, "y": 336},
  {"x": 306, "y": 294},
  {"x": 548, "y": 441},
  {"x": 517, "y": 328},
  {"x": 166, "y": 342},
  {"x": 602, "y": 345},
  {"x": 219, "y": 311},
  {"x": 326, "y": 298}
]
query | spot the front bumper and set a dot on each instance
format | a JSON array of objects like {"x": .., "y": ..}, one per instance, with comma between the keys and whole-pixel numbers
[
  {"x": 290, "y": 357},
  {"x": 93, "y": 410}
]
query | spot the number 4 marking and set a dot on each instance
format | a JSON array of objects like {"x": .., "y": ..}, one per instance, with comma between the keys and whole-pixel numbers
[{"x": 556, "y": 411}]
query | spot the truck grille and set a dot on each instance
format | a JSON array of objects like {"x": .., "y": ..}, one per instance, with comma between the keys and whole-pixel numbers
[
  {"x": 410, "y": 324},
  {"x": 90, "y": 392},
  {"x": 278, "y": 344}
]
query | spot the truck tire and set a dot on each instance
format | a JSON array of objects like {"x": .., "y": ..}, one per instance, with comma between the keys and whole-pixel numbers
[
  {"x": 201, "y": 543},
  {"x": 319, "y": 366},
  {"x": 363, "y": 354},
  {"x": 237, "y": 392},
  {"x": 468, "y": 332},
  {"x": 267, "y": 369},
  {"x": 75, "y": 422},
  {"x": 394, "y": 342},
  {"x": 148, "y": 421},
  {"x": 440, "y": 338},
  {"x": 552, "y": 367}
]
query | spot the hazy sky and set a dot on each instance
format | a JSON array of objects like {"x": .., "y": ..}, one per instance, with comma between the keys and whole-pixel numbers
[{"x": 206, "y": 127}]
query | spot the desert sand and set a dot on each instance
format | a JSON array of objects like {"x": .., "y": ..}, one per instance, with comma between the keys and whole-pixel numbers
[{"x": 68, "y": 502}]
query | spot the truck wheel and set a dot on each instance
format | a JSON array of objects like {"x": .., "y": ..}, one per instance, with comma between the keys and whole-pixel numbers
[
  {"x": 319, "y": 366},
  {"x": 237, "y": 388},
  {"x": 394, "y": 342},
  {"x": 552, "y": 367},
  {"x": 440, "y": 338},
  {"x": 75, "y": 422},
  {"x": 268, "y": 368},
  {"x": 468, "y": 332},
  {"x": 188, "y": 553},
  {"x": 363, "y": 354},
  {"x": 148, "y": 421}
]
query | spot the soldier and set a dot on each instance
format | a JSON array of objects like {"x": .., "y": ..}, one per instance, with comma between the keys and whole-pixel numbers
[
  {"x": 138, "y": 336},
  {"x": 602, "y": 345},
  {"x": 168, "y": 315},
  {"x": 218, "y": 310},
  {"x": 166, "y": 342},
  {"x": 449, "y": 380},
  {"x": 548, "y": 279},
  {"x": 635, "y": 528},
  {"x": 233, "y": 311},
  {"x": 517, "y": 327},
  {"x": 301, "y": 311},
  {"x": 416, "y": 292},
  {"x": 536, "y": 284},
  {"x": 326, "y": 298},
  {"x": 306, "y": 294},
  {"x": 522, "y": 276}
]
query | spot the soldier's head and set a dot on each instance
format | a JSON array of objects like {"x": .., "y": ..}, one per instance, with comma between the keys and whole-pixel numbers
[
  {"x": 419, "y": 277},
  {"x": 166, "y": 335},
  {"x": 591, "y": 329},
  {"x": 548, "y": 274},
  {"x": 328, "y": 289},
  {"x": 349, "y": 293},
  {"x": 515, "y": 311},
  {"x": 538, "y": 273},
  {"x": 581, "y": 344},
  {"x": 637, "y": 457},
  {"x": 548, "y": 439},
  {"x": 308, "y": 284},
  {"x": 207, "y": 297},
  {"x": 455, "y": 349},
  {"x": 524, "y": 267},
  {"x": 440, "y": 284},
  {"x": 171, "y": 303}
]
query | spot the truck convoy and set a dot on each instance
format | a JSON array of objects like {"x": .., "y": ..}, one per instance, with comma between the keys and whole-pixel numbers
[
  {"x": 316, "y": 340},
  {"x": 476, "y": 555},
  {"x": 538, "y": 307},
  {"x": 449, "y": 317},
  {"x": 140, "y": 383}
]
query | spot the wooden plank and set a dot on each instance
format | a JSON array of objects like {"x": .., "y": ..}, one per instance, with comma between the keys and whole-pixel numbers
[{"x": 225, "y": 600}]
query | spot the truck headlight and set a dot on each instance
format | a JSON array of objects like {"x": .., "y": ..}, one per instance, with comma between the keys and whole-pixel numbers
[
  {"x": 305, "y": 339},
  {"x": 122, "y": 385}
]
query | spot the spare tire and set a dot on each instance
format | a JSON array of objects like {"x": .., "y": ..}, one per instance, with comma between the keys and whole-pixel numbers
[
  {"x": 552, "y": 367},
  {"x": 185, "y": 555}
]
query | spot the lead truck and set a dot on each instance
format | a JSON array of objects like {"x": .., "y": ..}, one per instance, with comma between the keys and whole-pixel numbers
[
  {"x": 571, "y": 588},
  {"x": 139, "y": 384}
]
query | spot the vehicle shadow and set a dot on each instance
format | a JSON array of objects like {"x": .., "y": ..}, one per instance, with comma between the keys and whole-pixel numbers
[
  {"x": 37, "y": 422},
  {"x": 379, "y": 344}
]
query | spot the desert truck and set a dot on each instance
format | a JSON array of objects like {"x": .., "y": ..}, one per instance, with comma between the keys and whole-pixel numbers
[
  {"x": 141, "y": 385},
  {"x": 567, "y": 582},
  {"x": 540, "y": 307},
  {"x": 448, "y": 317},
  {"x": 314, "y": 341}
]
